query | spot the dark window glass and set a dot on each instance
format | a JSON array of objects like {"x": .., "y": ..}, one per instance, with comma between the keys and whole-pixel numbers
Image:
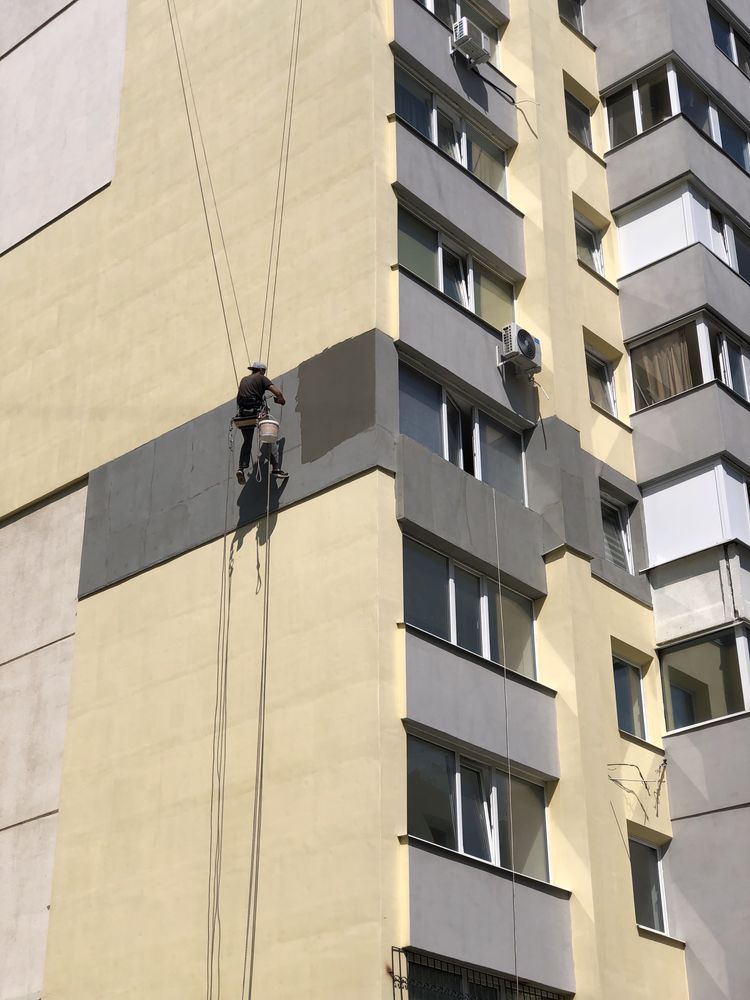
[
  {"x": 518, "y": 619},
  {"x": 743, "y": 54},
  {"x": 529, "y": 838},
  {"x": 683, "y": 707},
  {"x": 721, "y": 32},
  {"x": 588, "y": 247},
  {"x": 431, "y": 812},
  {"x": 454, "y": 278},
  {"x": 694, "y": 105},
  {"x": 666, "y": 366},
  {"x": 702, "y": 681},
  {"x": 653, "y": 91},
  {"x": 420, "y": 404},
  {"x": 644, "y": 866},
  {"x": 413, "y": 102},
  {"x": 628, "y": 697},
  {"x": 417, "y": 247},
  {"x": 742, "y": 248},
  {"x": 615, "y": 548},
  {"x": 426, "y": 589},
  {"x": 572, "y": 12},
  {"x": 446, "y": 10},
  {"x": 579, "y": 120},
  {"x": 474, "y": 814},
  {"x": 600, "y": 383},
  {"x": 733, "y": 140},
  {"x": 468, "y": 619},
  {"x": 621, "y": 116},
  {"x": 501, "y": 451}
]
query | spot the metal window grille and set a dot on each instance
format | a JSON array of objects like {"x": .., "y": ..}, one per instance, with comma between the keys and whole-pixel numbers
[{"x": 417, "y": 976}]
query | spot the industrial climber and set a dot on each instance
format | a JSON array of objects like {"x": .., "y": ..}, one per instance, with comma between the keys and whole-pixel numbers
[{"x": 251, "y": 403}]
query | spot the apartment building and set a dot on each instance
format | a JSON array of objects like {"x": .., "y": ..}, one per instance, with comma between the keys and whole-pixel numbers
[{"x": 459, "y": 709}]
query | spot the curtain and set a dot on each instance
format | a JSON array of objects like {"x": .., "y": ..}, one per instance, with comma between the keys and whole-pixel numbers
[{"x": 661, "y": 368}]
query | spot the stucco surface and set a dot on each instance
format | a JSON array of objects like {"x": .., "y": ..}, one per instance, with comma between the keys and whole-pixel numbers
[{"x": 708, "y": 767}]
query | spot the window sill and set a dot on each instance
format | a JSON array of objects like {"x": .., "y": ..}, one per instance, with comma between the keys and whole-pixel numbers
[
  {"x": 707, "y": 724},
  {"x": 632, "y": 738},
  {"x": 578, "y": 33},
  {"x": 505, "y": 873},
  {"x": 652, "y": 935},
  {"x": 611, "y": 416},
  {"x": 600, "y": 277},
  {"x": 588, "y": 149},
  {"x": 467, "y": 654}
]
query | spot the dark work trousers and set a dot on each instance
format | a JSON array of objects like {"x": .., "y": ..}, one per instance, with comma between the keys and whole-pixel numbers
[{"x": 247, "y": 449}]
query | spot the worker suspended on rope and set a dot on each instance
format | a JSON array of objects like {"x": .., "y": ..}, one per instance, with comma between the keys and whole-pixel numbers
[{"x": 251, "y": 406}]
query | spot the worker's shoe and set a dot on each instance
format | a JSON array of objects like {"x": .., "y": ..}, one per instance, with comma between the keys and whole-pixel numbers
[
  {"x": 279, "y": 474},
  {"x": 241, "y": 476}
]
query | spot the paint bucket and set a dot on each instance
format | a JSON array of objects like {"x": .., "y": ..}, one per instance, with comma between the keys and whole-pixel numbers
[{"x": 268, "y": 430}]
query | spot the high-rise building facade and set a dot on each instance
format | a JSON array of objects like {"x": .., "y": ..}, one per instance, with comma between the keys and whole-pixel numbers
[{"x": 461, "y": 708}]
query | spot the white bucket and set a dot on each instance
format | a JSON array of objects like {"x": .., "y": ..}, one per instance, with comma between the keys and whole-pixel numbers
[{"x": 268, "y": 430}]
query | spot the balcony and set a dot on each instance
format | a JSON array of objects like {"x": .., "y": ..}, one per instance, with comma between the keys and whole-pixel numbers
[
  {"x": 673, "y": 150},
  {"x": 695, "y": 426},
  {"x": 679, "y": 285},
  {"x": 457, "y": 203},
  {"x": 464, "y": 908},
  {"x": 423, "y": 41}
]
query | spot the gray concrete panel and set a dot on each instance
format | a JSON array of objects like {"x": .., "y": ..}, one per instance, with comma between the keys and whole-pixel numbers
[
  {"x": 438, "y": 503},
  {"x": 671, "y": 151},
  {"x": 707, "y": 889},
  {"x": 59, "y": 136},
  {"x": 26, "y": 859},
  {"x": 22, "y": 17},
  {"x": 689, "y": 429},
  {"x": 461, "y": 348},
  {"x": 433, "y": 183},
  {"x": 687, "y": 281},
  {"x": 463, "y": 696},
  {"x": 33, "y": 717},
  {"x": 424, "y": 42},
  {"x": 709, "y": 766},
  {"x": 464, "y": 910},
  {"x": 40, "y": 553},
  {"x": 179, "y": 491}
]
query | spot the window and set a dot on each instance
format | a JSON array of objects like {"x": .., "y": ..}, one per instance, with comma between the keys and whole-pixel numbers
[
  {"x": 694, "y": 105},
  {"x": 621, "y": 116},
  {"x": 640, "y": 106},
  {"x": 589, "y": 245},
  {"x": 427, "y": 254},
  {"x": 616, "y": 535},
  {"x": 729, "y": 41},
  {"x": 463, "y": 607},
  {"x": 654, "y": 99},
  {"x": 666, "y": 366},
  {"x": 601, "y": 385},
  {"x": 731, "y": 360},
  {"x": 572, "y": 12},
  {"x": 444, "y": 126},
  {"x": 629, "y": 698},
  {"x": 579, "y": 120},
  {"x": 466, "y": 806},
  {"x": 702, "y": 680},
  {"x": 460, "y": 433},
  {"x": 733, "y": 140},
  {"x": 645, "y": 868},
  {"x": 431, "y": 978}
]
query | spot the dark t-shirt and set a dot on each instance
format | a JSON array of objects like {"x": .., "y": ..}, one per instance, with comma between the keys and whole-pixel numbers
[{"x": 251, "y": 389}]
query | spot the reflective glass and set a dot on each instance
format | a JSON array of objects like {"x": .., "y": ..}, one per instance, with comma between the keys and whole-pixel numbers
[
  {"x": 426, "y": 589},
  {"x": 736, "y": 368},
  {"x": 447, "y": 135},
  {"x": 485, "y": 160},
  {"x": 518, "y": 619},
  {"x": 588, "y": 248},
  {"x": 420, "y": 402},
  {"x": 493, "y": 298},
  {"x": 694, "y": 105},
  {"x": 468, "y": 616},
  {"x": 733, "y": 140},
  {"x": 644, "y": 865},
  {"x": 653, "y": 92},
  {"x": 600, "y": 389},
  {"x": 579, "y": 120},
  {"x": 413, "y": 102},
  {"x": 628, "y": 698},
  {"x": 615, "y": 550},
  {"x": 702, "y": 681},
  {"x": 501, "y": 456},
  {"x": 453, "y": 415},
  {"x": 474, "y": 814},
  {"x": 431, "y": 793},
  {"x": 417, "y": 247},
  {"x": 572, "y": 12},
  {"x": 721, "y": 32},
  {"x": 743, "y": 54},
  {"x": 666, "y": 366},
  {"x": 621, "y": 116},
  {"x": 742, "y": 249},
  {"x": 454, "y": 278},
  {"x": 529, "y": 854}
]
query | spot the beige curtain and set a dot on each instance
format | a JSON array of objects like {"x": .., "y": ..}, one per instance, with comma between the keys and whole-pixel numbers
[{"x": 661, "y": 368}]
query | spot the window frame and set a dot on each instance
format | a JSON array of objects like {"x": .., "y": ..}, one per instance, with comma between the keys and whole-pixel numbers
[
  {"x": 492, "y": 775},
  {"x": 733, "y": 34},
  {"x": 641, "y": 697},
  {"x": 442, "y": 105},
  {"x": 484, "y": 619},
  {"x": 659, "y": 851},
  {"x": 725, "y": 374},
  {"x": 588, "y": 141},
  {"x": 623, "y": 514},
  {"x": 598, "y": 250},
  {"x": 461, "y": 403},
  {"x": 703, "y": 347},
  {"x": 634, "y": 85},
  {"x": 609, "y": 380},
  {"x": 580, "y": 28}
]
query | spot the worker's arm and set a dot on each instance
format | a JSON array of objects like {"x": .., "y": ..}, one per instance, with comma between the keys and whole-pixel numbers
[{"x": 278, "y": 395}]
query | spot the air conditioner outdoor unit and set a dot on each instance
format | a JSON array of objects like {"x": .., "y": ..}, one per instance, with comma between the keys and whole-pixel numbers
[
  {"x": 519, "y": 348},
  {"x": 470, "y": 41}
]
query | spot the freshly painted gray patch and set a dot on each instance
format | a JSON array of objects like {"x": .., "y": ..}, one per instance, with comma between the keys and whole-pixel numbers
[
  {"x": 464, "y": 911},
  {"x": 438, "y": 503},
  {"x": 686, "y": 282},
  {"x": 707, "y": 891},
  {"x": 462, "y": 696},
  {"x": 59, "y": 136},
  {"x": 461, "y": 349},
  {"x": 422, "y": 41},
  {"x": 434, "y": 184},
  {"x": 179, "y": 491},
  {"x": 709, "y": 766},
  {"x": 690, "y": 429}
]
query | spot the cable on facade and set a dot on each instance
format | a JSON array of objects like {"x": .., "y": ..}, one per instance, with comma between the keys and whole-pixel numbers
[
  {"x": 507, "y": 746},
  {"x": 175, "y": 26}
]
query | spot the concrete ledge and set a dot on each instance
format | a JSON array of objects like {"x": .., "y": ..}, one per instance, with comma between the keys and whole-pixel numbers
[
  {"x": 453, "y": 692},
  {"x": 435, "y": 184},
  {"x": 464, "y": 908}
]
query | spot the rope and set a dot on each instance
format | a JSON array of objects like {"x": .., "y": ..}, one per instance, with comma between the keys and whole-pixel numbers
[
  {"x": 174, "y": 18},
  {"x": 278, "y": 211},
  {"x": 507, "y": 746}
]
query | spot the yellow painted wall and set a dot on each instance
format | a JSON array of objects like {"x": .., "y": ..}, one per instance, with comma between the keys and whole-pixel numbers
[
  {"x": 128, "y": 914},
  {"x": 112, "y": 325}
]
